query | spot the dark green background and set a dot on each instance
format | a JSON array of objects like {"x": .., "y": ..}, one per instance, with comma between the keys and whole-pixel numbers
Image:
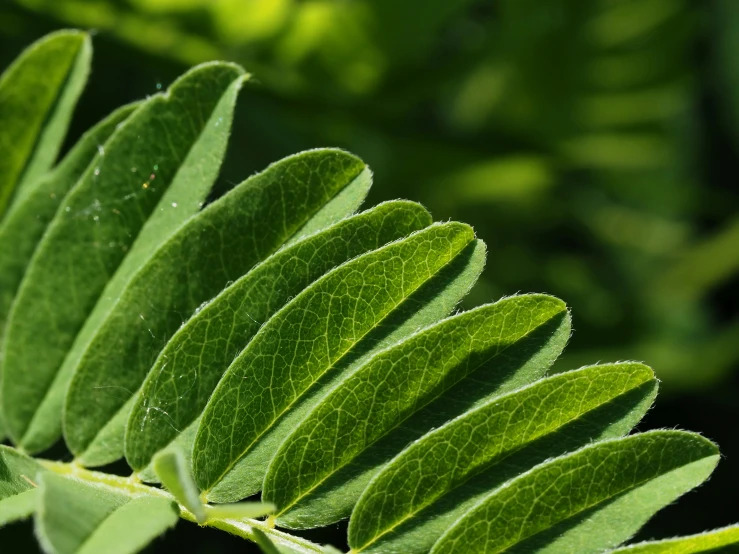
[{"x": 593, "y": 144}]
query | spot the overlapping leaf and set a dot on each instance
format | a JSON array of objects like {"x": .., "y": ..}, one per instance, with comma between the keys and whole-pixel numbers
[
  {"x": 38, "y": 93},
  {"x": 450, "y": 469},
  {"x": 303, "y": 343},
  {"x": 293, "y": 349},
  {"x": 80, "y": 518},
  {"x": 158, "y": 147},
  {"x": 191, "y": 268},
  {"x": 319, "y": 471},
  {"x": 190, "y": 366},
  {"x": 433, "y": 301},
  {"x": 26, "y": 221},
  {"x": 593, "y": 499}
]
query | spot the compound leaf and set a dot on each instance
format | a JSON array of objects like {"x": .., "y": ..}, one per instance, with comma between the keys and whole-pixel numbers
[
  {"x": 26, "y": 221},
  {"x": 38, "y": 93},
  {"x": 92, "y": 232},
  {"x": 434, "y": 481},
  {"x": 191, "y": 364},
  {"x": 306, "y": 339},
  {"x": 318, "y": 473},
  {"x": 205, "y": 255},
  {"x": 75, "y": 517},
  {"x": 433, "y": 301},
  {"x": 549, "y": 508}
]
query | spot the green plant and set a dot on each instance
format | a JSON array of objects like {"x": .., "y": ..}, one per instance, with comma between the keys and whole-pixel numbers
[{"x": 277, "y": 342}]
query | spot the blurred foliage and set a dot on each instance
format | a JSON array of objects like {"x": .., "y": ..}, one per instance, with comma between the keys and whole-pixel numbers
[{"x": 590, "y": 142}]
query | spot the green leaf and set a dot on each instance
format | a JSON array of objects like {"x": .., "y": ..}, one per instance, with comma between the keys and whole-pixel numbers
[
  {"x": 433, "y": 301},
  {"x": 265, "y": 544},
  {"x": 18, "y": 487},
  {"x": 320, "y": 470},
  {"x": 151, "y": 166},
  {"x": 75, "y": 517},
  {"x": 710, "y": 541},
  {"x": 239, "y": 510},
  {"x": 281, "y": 364},
  {"x": 191, "y": 364},
  {"x": 38, "y": 93},
  {"x": 549, "y": 508},
  {"x": 176, "y": 477},
  {"x": 190, "y": 269},
  {"x": 433, "y": 482},
  {"x": 26, "y": 221},
  {"x": 19, "y": 506}
]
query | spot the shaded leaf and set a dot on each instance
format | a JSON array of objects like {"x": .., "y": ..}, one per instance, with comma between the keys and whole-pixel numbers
[
  {"x": 191, "y": 364},
  {"x": 315, "y": 477},
  {"x": 190, "y": 269},
  {"x": 75, "y": 517},
  {"x": 38, "y": 93},
  {"x": 710, "y": 541},
  {"x": 303, "y": 341},
  {"x": 91, "y": 234},
  {"x": 175, "y": 476},
  {"x": 628, "y": 480},
  {"x": 19, "y": 506},
  {"x": 18, "y": 485},
  {"x": 26, "y": 221},
  {"x": 433, "y": 482},
  {"x": 184, "y": 196},
  {"x": 264, "y": 542}
]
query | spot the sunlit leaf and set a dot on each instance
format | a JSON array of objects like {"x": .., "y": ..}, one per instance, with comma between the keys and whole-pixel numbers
[
  {"x": 433, "y": 482},
  {"x": 319, "y": 471},
  {"x": 278, "y": 366},
  {"x": 548, "y": 508},
  {"x": 26, "y": 221},
  {"x": 191, "y": 364}
]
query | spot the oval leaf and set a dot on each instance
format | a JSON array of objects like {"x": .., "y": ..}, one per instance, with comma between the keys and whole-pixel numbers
[
  {"x": 191, "y": 364},
  {"x": 89, "y": 237},
  {"x": 431, "y": 302},
  {"x": 330, "y": 317},
  {"x": 382, "y": 395},
  {"x": 628, "y": 480},
  {"x": 25, "y": 223},
  {"x": 433, "y": 482},
  {"x": 190, "y": 269}
]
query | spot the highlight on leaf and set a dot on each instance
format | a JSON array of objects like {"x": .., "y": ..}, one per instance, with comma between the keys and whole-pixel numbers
[{"x": 279, "y": 342}]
